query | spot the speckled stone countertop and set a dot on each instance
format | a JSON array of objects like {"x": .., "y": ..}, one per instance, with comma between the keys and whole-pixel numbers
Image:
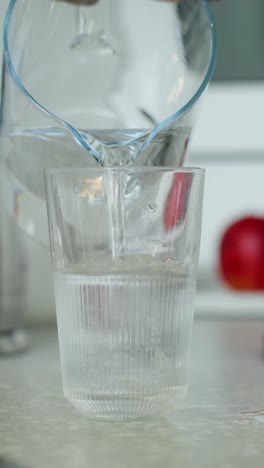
[{"x": 220, "y": 425}]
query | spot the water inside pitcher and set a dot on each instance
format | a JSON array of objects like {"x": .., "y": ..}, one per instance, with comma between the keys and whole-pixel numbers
[{"x": 111, "y": 83}]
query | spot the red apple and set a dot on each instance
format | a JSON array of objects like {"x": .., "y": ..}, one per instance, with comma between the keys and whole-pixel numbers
[
  {"x": 177, "y": 202},
  {"x": 241, "y": 256}
]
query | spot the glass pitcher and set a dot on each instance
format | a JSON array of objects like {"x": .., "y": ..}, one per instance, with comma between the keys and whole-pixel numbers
[{"x": 112, "y": 82}]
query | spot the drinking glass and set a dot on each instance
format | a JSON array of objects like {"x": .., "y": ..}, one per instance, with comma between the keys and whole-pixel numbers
[{"x": 124, "y": 245}]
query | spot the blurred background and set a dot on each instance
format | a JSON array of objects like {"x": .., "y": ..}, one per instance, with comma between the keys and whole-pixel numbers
[{"x": 229, "y": 142}]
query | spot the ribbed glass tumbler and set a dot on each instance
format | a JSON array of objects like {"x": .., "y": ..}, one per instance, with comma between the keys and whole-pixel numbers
[{"x": 125, "y": 246}]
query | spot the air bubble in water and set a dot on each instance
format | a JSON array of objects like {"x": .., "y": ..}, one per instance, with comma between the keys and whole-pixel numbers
[
  {"x": 153, "y": 207},
  {"x": 169, "y": 259}
]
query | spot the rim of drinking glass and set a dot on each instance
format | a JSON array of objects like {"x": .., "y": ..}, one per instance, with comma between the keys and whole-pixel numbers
[
  {"x": 123, "y": 169},
  {"x": 185, "y": 108}
]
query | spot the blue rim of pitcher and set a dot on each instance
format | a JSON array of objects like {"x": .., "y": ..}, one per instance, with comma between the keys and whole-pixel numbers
[{"x": 69, "y": 127}]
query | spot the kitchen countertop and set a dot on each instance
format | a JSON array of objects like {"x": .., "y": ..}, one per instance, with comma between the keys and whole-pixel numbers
[{"x": 220, "y": 425}]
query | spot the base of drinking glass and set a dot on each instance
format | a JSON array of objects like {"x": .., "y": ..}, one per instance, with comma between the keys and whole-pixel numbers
[{"x": 113, "y": 408}]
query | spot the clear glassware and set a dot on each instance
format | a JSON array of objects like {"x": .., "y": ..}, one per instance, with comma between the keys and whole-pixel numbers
[
  {"x": 118, "y": 82},
  {"x": 124, "y": 245}
]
